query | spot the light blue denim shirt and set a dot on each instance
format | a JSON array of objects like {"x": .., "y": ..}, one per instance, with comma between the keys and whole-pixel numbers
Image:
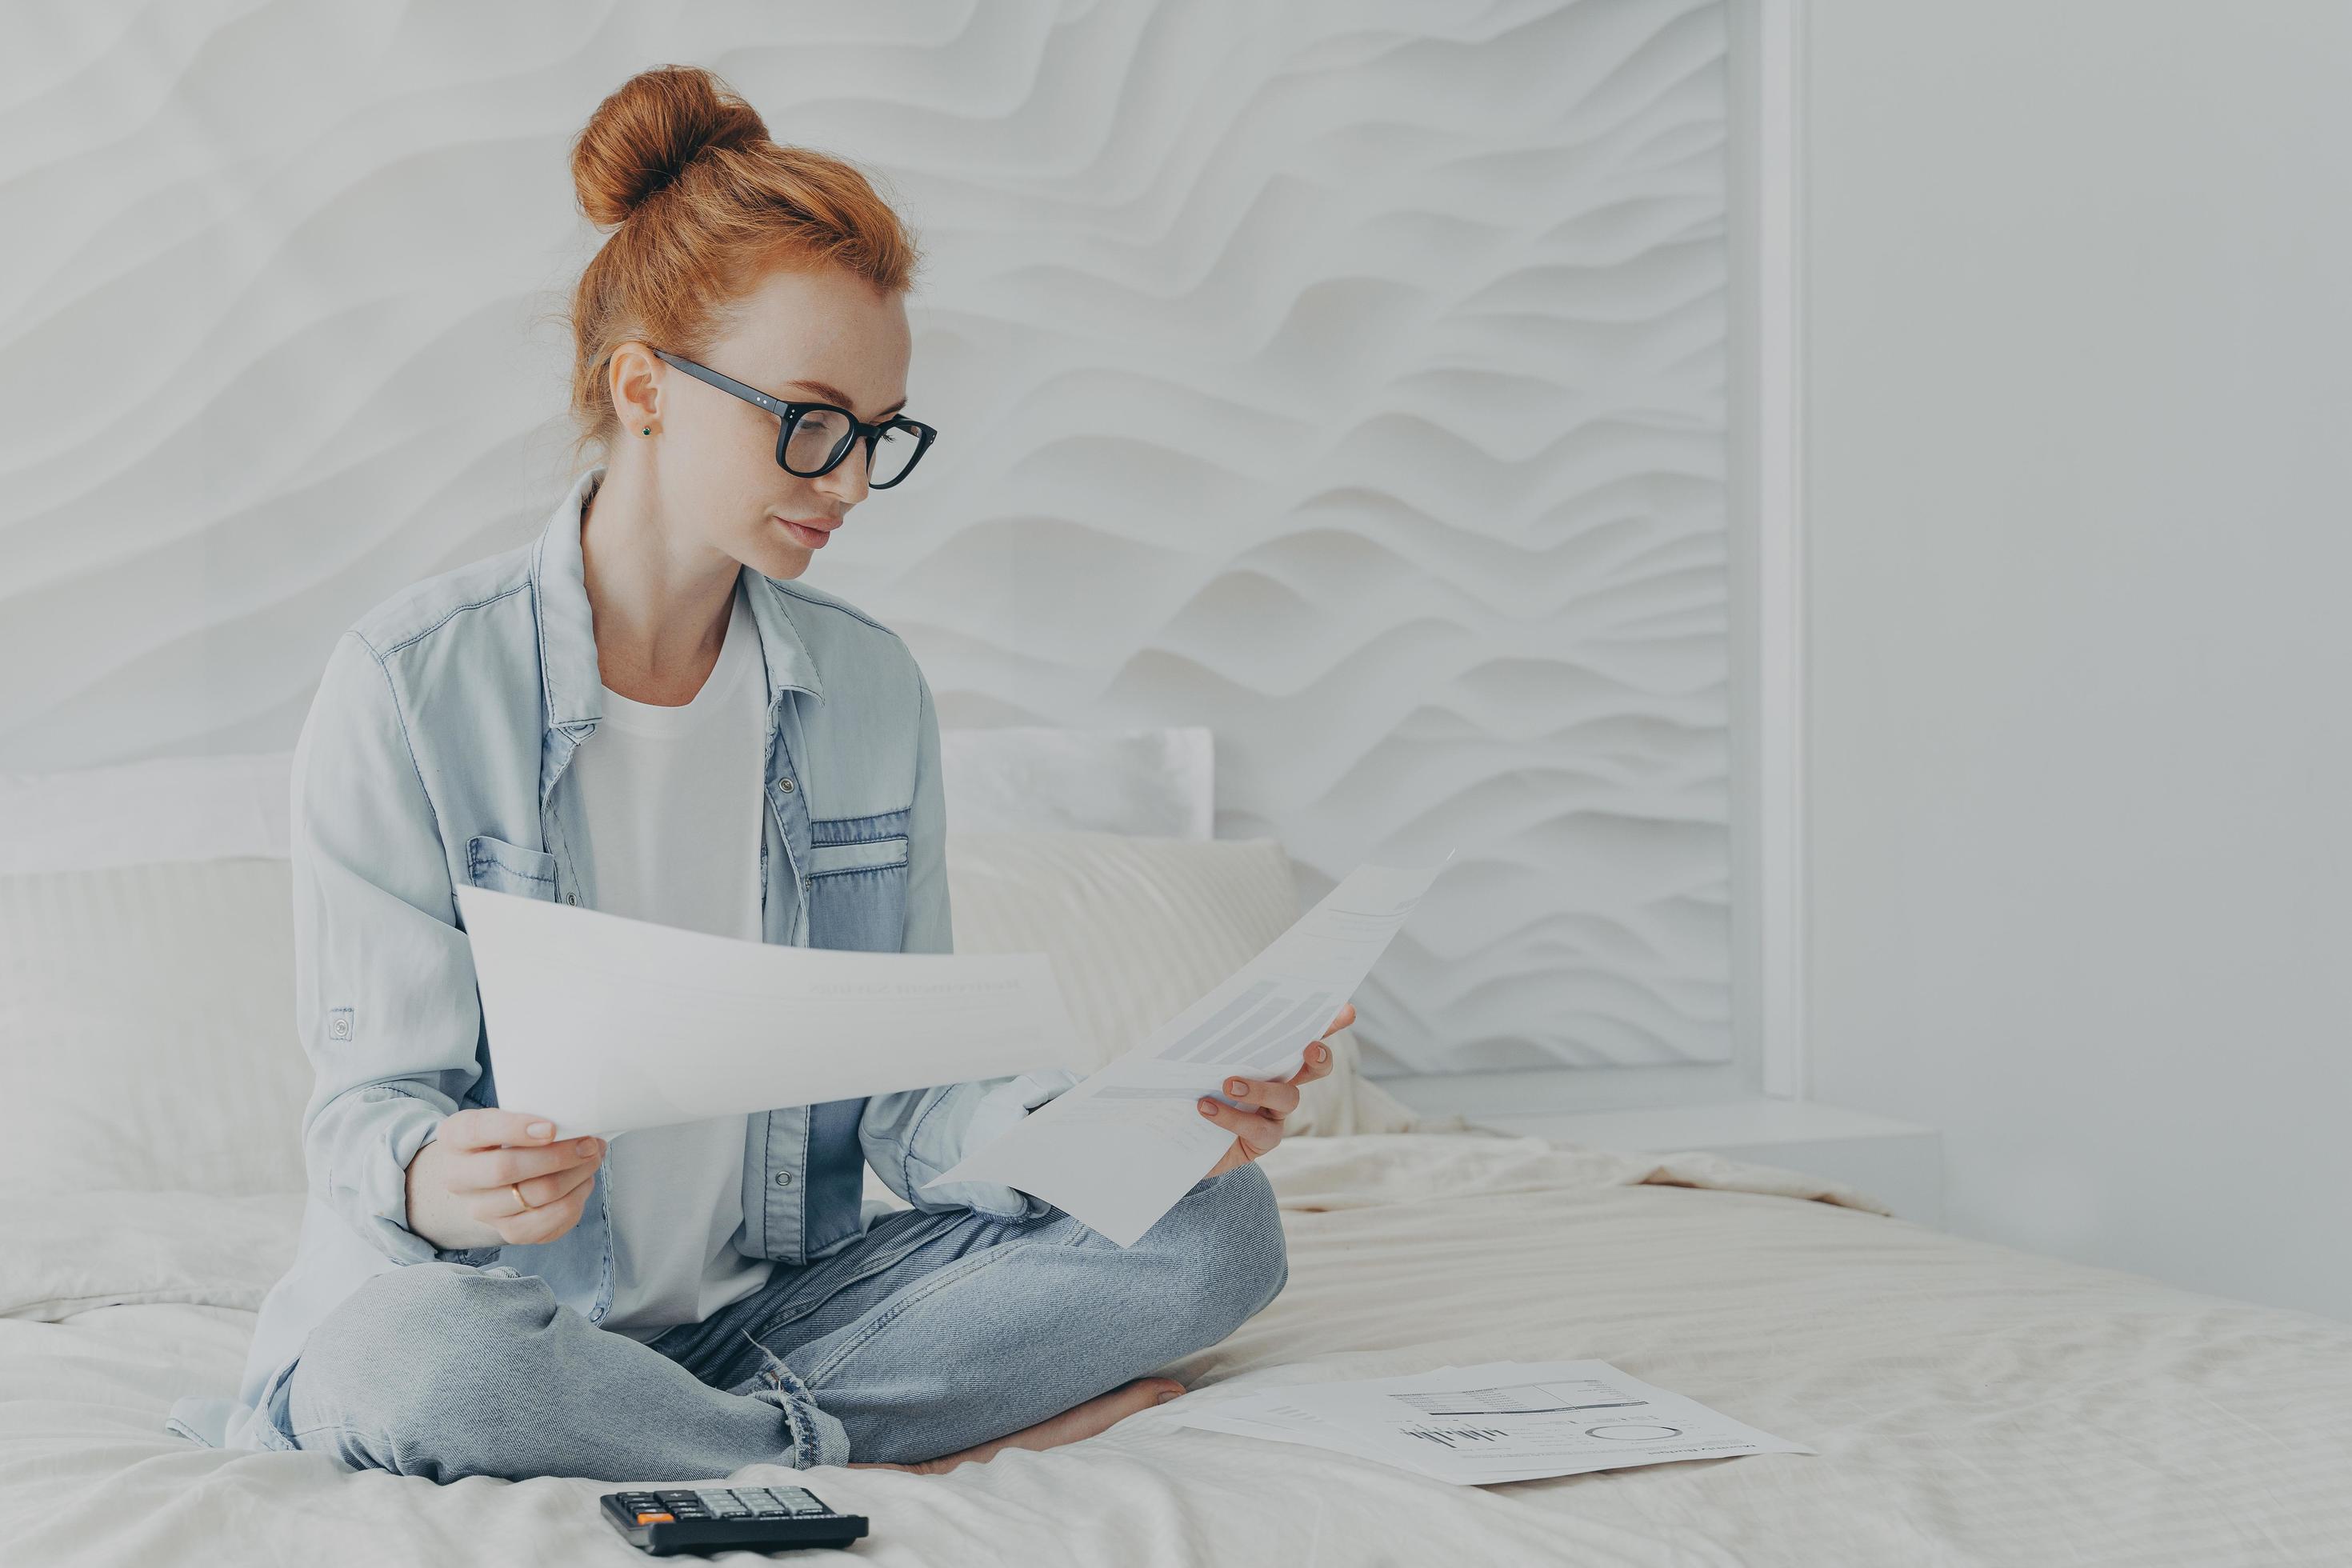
[{"x": 433, "y": 755}]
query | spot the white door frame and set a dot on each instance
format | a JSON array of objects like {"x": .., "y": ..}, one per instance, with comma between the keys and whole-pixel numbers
[{"x": 1779, "y": 645}]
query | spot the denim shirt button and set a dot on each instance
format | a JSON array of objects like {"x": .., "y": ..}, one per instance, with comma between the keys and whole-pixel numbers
[
  {"x": 784, "y": 1178},
  {"x": 784, "y": 784}
]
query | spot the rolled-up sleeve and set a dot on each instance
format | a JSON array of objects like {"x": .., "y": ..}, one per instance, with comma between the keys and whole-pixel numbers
[
  {"x": 383, "y": 978},
  {"x": 909, "y": 1138}
]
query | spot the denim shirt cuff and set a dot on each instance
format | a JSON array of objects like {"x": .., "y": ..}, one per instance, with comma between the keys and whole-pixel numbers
[
  {"x": 406, "y": 1126},
  {"x": 995, "y": 1115}
]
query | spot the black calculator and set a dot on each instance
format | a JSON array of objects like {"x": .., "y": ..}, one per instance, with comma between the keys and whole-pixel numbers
[{"x": 725, "y": 1519}]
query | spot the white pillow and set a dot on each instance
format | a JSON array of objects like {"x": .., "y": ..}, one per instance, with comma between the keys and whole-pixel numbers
[
  {"x": 147, "y": 1029},
  {"x": 147, "y": 1019}
]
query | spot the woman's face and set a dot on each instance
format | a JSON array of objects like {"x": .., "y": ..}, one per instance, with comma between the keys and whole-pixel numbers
[{"x": 826, "y": 336}]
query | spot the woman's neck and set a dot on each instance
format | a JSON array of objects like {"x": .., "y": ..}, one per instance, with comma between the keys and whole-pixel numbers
[{"x": 659, "y": 609}]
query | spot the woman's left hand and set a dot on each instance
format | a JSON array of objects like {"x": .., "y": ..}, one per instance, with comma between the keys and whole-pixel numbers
[{"x": 1265, "y": 1102}]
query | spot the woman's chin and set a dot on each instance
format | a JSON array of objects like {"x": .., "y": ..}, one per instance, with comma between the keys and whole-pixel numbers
[{"x": 781, "y": 561}]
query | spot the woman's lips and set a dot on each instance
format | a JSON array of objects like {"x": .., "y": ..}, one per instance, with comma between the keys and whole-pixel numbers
[{"x": 813, "y": 538}]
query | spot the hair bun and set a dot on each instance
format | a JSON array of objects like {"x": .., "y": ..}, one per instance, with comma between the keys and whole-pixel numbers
[{"x": 645, "y": 134}]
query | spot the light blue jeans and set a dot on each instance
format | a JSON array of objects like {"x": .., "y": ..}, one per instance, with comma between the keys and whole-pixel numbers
[{"x": 931, "y": 1332}]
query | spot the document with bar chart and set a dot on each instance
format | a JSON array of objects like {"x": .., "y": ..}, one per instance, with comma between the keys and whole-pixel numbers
[{"x": 1120, "y": 1148}]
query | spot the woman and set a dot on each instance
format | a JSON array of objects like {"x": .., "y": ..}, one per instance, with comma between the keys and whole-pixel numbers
[{"x": 642, "y": 713}]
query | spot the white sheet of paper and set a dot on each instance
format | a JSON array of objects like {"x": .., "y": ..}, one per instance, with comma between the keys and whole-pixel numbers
[
  {"x": 1119, "y": 1149},
  {"x": 604, "y": 1023},
  {"x": 1501, "y": 1421}
]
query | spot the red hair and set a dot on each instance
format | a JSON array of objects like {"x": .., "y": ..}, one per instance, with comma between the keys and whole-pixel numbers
[{"x": 703, "y": 206}]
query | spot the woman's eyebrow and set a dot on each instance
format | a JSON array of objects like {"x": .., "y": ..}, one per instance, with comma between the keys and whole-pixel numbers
[{"x": 832, "y": 393}]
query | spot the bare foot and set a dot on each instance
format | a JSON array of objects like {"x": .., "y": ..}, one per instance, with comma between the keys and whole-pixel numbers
[{"x": 1095, "y": 1416}]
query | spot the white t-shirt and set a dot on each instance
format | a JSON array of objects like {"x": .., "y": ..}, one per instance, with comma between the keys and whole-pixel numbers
[{"x": 672, "y": 797}]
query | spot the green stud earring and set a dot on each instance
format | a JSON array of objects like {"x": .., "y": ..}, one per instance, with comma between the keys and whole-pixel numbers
[{"x": 648, "y": 430}]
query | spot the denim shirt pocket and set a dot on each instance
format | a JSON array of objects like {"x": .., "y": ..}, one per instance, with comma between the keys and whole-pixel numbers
[
  {"x": 856, "y": 883},
  {"x": 505, "y": 867}
]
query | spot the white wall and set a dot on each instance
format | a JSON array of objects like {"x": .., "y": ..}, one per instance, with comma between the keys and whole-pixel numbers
[
  {"x": 1347, "y": 376},
  {"x": 2079, "y": 408}
]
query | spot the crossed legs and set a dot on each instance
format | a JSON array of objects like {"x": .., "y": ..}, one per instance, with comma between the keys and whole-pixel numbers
[{"x": 932, "y": 1336}]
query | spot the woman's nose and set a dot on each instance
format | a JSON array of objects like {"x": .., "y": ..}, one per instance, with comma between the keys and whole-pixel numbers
[{"x": 847, "y": 480}]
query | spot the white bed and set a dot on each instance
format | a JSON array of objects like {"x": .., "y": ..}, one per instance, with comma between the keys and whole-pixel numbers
[{"x": 1970, "y": 1404}]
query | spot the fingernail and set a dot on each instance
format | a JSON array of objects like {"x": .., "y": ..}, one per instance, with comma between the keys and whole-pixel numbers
[
  {"x": 1208, "y": 1108},
  {"x": 587, "y": 1146},
  {"x": 1234, "y": 1085},
  {"x": 1322, "y": 1052},
  {"x": 541, "y": 1129},
  {"x": 1164, "y": 1398}
]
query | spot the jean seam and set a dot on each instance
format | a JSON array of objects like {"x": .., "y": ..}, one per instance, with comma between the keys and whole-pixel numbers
[
  {"x": 939, "y": 1280},
  {"x": 342, "y": 1428},
  {"x": 810, "y": 1303},
  {"x": 792, "y": 1392}
]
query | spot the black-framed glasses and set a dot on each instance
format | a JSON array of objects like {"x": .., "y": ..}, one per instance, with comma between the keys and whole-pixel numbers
[{"x": 815, "y": 436}]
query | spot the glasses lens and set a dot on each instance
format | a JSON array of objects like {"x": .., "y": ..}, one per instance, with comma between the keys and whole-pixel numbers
[
  {"x": 894, "y": 454},
  {"x": 819, "y": 433}
]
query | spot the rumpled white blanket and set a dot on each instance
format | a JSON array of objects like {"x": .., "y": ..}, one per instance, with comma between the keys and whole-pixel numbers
[{"x": 1971, "y": 1404}]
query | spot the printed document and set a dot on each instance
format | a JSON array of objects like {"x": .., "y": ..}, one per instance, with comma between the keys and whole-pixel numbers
[
  {"x": 604, "y": 1023},
  {"x": 1119, "y": 1149},
  {"x": 1501, "y": 1421}
]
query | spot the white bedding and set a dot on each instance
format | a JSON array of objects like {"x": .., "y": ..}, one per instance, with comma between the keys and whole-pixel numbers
[{"x": 1970, "y": 1404}]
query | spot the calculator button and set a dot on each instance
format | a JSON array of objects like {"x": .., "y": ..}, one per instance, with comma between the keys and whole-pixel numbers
[{"x": 657, "y": 1519}]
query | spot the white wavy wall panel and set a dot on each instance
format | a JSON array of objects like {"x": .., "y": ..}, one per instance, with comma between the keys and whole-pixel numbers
[{"x": 1346, "y": 377}]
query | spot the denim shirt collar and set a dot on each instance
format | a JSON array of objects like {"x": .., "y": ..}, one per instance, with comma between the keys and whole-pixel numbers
[{"x": 568, "y": 674}]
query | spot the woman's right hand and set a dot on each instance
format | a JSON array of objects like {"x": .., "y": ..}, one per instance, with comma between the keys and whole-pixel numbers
[{"x": 463, "y": 1186}]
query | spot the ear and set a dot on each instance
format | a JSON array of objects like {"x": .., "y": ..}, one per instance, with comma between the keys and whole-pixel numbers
[{"x": 634, "y": 378}]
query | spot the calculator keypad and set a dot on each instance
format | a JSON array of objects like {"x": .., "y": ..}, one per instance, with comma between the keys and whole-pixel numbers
[{"x": 721, "y": 1502}]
